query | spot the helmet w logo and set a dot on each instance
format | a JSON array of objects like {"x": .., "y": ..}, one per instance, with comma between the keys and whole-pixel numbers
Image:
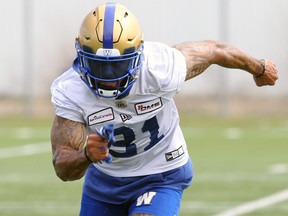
[
  {"x": 107, "y": 52},
  {"x": 146, "y": 199}
]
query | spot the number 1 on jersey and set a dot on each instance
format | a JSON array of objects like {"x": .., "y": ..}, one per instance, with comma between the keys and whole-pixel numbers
[{"x": 150, "y": 125}]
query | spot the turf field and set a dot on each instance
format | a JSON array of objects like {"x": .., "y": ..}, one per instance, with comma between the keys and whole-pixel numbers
[{"x": 236, "y": 162}]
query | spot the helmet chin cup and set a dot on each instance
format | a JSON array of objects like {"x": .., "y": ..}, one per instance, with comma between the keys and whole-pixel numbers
[{"x": 107, "y": 93}]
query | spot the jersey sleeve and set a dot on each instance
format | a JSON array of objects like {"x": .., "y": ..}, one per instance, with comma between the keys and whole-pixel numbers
[
  {"x": 64, "y": 105},
  {"x": 165, "y": 70}
]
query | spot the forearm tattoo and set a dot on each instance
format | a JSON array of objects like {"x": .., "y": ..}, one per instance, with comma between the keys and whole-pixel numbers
[
  {"x": 232, "y": 57},
  {"x": 200, "y": 55},
  {"x": 68, "y": 138}
]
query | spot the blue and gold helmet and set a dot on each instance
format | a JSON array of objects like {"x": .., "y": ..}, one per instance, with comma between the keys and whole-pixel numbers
[{"x": 109, "y": 47}]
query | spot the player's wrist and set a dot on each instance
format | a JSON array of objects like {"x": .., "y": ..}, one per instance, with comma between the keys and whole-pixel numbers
[
  {"x": 263, "y": 68},
  {"x": 86, "y": 155}
]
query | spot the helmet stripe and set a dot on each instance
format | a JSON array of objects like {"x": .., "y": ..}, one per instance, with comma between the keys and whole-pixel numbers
[{"x": 108, "y": 25}]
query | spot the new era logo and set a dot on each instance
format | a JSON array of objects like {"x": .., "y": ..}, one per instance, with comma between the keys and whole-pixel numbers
[{"x": 125, "y": 117}]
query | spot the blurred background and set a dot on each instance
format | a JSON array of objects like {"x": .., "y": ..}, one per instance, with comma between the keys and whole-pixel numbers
[
  {"x": 237, "y": 133},
  {"x": 38, "y": 45}
]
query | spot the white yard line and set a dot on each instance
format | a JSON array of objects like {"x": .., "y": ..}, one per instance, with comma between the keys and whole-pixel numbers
[
  {"x": 256, "y": 204},
  {"x": 280, "y": 168},
  {"x": 23, "y": 150}
]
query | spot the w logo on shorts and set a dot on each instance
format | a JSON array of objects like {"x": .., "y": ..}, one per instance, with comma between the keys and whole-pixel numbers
[{"x": 145, "y": 199}]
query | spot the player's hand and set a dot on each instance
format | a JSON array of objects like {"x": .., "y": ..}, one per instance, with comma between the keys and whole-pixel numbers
[
  {"x": 270, "y": 75},
  {"x": 96, "y": 148}
]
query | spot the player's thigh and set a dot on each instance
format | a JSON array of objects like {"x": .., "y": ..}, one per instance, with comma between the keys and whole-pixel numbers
[
  {"x": 157, "y": 202},
  {"x": 91, "y": 207}
]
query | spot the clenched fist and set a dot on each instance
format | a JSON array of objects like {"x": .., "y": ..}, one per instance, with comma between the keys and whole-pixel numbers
[
  {"x": 269, "y": 76},
  {"x": 96, "y": 148}
]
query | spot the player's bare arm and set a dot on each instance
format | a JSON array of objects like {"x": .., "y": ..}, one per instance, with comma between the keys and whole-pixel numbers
[
  {"x": 68, "y": 139},
  {"x": 200, "y": 55}
]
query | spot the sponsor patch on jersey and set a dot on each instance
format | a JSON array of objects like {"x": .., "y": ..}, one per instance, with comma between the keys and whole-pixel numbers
[
  {"x": 174, "y": 154},
  {"x": 101, "y": 116},
  {"x": 148, "y": 106}
]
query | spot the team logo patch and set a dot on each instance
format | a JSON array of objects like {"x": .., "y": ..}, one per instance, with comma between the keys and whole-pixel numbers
[
  {"x": 174, "y": 154},
  {"x": 121, "y": 104},
  {"x": 101, "y": 116},
  {"x": 146, "y": 199},
  {"x": 125, "y": 117},
  {"x": 108, "y": 52},
  {"x": 148, "y": 106}
]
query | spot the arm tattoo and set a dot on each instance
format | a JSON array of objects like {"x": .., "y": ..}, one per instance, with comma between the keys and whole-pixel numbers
[
  {"x": 200, "y": 55},
  {"x": 70, "y": 133},
  {"x": 196, "y": 70},
  {"x": 197, "y": 56},
  {"x": 68, "y": 138}
]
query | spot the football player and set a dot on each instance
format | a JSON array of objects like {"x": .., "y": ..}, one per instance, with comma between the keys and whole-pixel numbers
[{"x": 121, "y": 80}]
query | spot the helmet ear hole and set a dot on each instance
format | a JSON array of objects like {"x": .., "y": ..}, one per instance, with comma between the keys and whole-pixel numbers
[
  {"x": 87, "y": 49},
  {"x": 129, "y": 50}
]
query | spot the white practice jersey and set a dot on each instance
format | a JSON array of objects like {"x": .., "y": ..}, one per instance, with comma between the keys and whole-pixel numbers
[{"x": 148, "y": 137}]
